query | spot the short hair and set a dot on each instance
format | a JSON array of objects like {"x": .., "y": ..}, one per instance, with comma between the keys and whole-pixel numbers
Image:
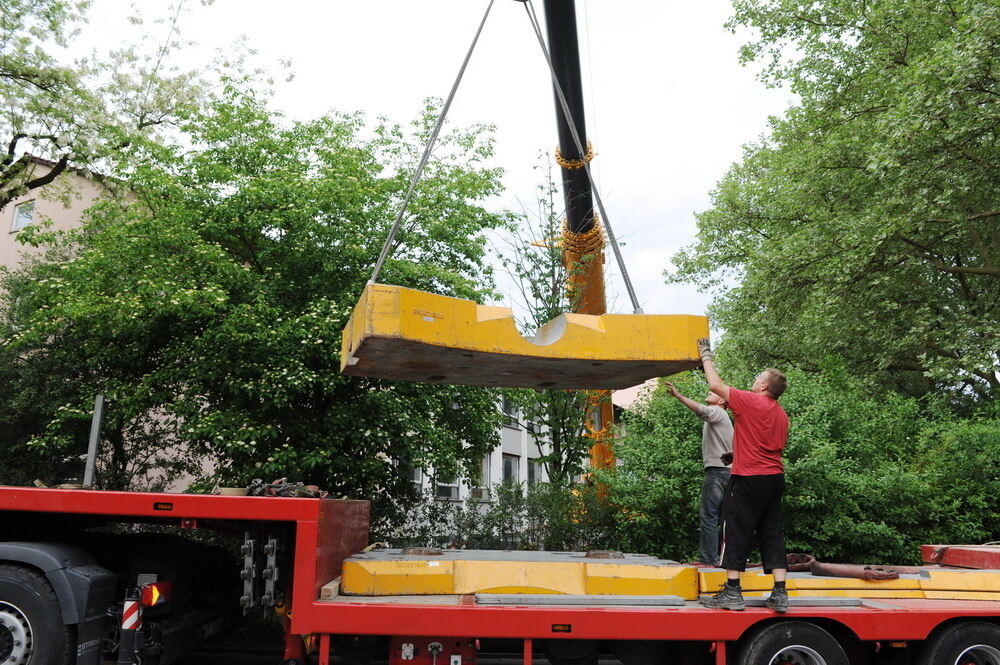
[{"x": 776, "y": 382}]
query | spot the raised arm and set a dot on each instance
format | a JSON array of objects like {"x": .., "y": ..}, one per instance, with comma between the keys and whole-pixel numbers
[
  {"x": 715, "y": 383},
  {"x": 689, "y": 403}
]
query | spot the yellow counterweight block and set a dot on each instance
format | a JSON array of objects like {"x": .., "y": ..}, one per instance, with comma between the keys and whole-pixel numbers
[
  {"x": 392, "y": 573},
  {"x": 756, "y": 583},
  {"x": 409, "y": 335}
]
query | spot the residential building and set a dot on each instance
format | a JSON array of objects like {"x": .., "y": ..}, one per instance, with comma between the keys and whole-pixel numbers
[
  {"x": 61, "y": 203},
  {"x": 517, "y": 460}
]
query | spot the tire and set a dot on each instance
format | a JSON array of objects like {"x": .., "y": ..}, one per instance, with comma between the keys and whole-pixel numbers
[
  {"x": 790, "y": 643},
  {"x": 571, "y": 652},
  {"x": 32, "y": 629},
  {"x": 967, "y": 643},
  {"x": 641, "y": 652}
]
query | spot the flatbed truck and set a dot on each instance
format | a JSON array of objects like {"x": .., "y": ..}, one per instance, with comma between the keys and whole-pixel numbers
[{"x": 69, "y": 560}]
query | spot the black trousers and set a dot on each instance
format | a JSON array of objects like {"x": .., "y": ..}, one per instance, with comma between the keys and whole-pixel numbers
[{"x": 752, "y": 507}]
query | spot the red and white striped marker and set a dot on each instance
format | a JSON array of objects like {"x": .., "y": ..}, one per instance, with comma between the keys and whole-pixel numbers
[
  {"x": 131, "y": 623},
  {"x": 132, "y": 615}
]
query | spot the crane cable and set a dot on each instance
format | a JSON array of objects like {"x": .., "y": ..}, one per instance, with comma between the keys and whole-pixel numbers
[
  {"x": 427, "y": 151},
  {"x": 533, "y": 19}
]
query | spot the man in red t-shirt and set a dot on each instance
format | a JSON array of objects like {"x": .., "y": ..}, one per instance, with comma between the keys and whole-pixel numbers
[{"x": 752, "y": 505}]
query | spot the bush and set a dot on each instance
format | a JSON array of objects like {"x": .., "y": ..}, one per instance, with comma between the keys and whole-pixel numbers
[
  {"x": 869, "y": 479},
  {"x": 542, "y": 516}
]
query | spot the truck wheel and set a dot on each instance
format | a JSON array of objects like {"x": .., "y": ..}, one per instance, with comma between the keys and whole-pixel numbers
[
  {"x": 31, "y": 627},
  {"x": 571, "y": 652},
  {"x": 969, "y": 643},
  {"x": 641, "y": 652},
  {"x": 791, "y": 643}
]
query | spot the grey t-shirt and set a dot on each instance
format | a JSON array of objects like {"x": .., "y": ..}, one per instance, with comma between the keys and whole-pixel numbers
[{"x": 716, "y": 435}]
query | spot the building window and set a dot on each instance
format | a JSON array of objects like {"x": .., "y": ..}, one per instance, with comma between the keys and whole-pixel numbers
[
  {"x": 511, "y": 468},
  {"x": 509, "y": 413},
  {"x": 24, "y": 214},
  {"x": 446, "y": 489},
  {"x": 481, "y": 484},
  {"x": 535, "y": 471}
]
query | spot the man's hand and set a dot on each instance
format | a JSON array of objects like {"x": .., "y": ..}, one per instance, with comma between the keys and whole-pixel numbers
[
  {"x": 705, "y": 349},
  {"x": 727, "y": 458},
  {"x": 671, "y": 388}
]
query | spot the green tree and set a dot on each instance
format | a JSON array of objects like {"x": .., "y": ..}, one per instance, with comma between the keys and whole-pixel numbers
[
  {"x": 868, "y": 479},
  {"x": 80, "y": 113},
  {"x": 211, "y": 302},
  {"x": 866, "y": 224}
]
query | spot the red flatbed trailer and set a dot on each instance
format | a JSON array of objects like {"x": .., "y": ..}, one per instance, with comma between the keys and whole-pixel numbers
[{"x": 323, "y": 532}]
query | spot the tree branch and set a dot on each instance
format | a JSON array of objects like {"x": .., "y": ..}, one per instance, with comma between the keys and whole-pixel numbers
[
  {"x": 12, "y": 149},
  {"x": 972, "y": 270},
  {"x": 50, "y": 176}
]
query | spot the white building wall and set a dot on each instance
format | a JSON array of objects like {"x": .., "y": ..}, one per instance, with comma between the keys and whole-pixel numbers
[{"x": 515, "y": 441}]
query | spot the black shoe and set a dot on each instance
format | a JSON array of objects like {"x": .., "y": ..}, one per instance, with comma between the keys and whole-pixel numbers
[
  {"x": 728, "y": 598},
  {"x": 778, "y": 600}
]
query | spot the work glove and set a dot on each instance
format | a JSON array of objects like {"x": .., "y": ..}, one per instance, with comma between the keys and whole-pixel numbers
[{"x": 705, "y": 349}]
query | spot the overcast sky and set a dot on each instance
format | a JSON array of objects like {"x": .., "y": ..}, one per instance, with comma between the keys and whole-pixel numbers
[{"x": 668, "y": 105}]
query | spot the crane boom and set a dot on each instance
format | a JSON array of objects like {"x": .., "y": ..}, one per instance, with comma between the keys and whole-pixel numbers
[{"x": 583, "y": 239}]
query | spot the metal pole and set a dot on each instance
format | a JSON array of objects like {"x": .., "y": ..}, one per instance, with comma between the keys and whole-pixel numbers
[{"x": 95, "y": 437}]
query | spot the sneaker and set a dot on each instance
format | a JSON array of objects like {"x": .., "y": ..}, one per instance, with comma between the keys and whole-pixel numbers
[
  {"x": 728, "y": 598},
  {"x": 778, "y": 600}
]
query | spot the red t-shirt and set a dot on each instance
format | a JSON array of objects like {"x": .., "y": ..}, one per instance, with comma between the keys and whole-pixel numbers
[{"x": 759, "y": 433}]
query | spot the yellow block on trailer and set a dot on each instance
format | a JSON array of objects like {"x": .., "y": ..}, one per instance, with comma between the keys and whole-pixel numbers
[
  {"x": 397, "y": 578},
  {"x": 963, "y": 595},
  {"x": 410, "y": 335},
  {"x": 639, "y": 580},
  {"x": 755, "y": 583},
  {"x": 980, "y": 581},
  {"x": 518, "y": 577},
  {"x": 394, "y": 573}
]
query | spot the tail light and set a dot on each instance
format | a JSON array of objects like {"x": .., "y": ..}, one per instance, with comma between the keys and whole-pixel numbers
[{"x": 156, "y": 593}]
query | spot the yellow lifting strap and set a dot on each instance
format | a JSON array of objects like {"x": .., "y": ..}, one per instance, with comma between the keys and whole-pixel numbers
[{"x": 409, "y": 335}]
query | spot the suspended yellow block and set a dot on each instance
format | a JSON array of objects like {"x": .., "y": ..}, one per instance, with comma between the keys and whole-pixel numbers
[
  {"x": 404, "y": 334},
  {"x": 392, "y": 573}
]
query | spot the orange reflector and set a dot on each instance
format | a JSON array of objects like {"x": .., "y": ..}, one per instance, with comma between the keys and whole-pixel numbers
[{"x": 156, "y": 593}]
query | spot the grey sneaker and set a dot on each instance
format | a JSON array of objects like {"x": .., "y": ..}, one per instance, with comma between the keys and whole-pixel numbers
[
  {"x": 778, "y": 600},
  {"x": 728, "y": 598}
]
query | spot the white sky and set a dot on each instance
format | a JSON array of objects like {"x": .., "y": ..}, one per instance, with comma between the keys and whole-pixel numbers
[{"x": 668, "y": 104}]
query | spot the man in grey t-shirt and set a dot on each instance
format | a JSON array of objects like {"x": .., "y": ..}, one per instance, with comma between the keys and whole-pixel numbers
[{"x": 717, "y": 456}]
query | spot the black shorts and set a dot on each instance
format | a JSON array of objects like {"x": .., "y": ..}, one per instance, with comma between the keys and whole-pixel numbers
[{"x": 752, "y": 507}]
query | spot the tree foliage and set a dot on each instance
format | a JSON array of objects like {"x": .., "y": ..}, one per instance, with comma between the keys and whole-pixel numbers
[
  {"x": 79, "y": 112},
  {"x": 868, "y": 480},
  {"x": 210, "y": 305},
  {"x": 867, "y": 224}
]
